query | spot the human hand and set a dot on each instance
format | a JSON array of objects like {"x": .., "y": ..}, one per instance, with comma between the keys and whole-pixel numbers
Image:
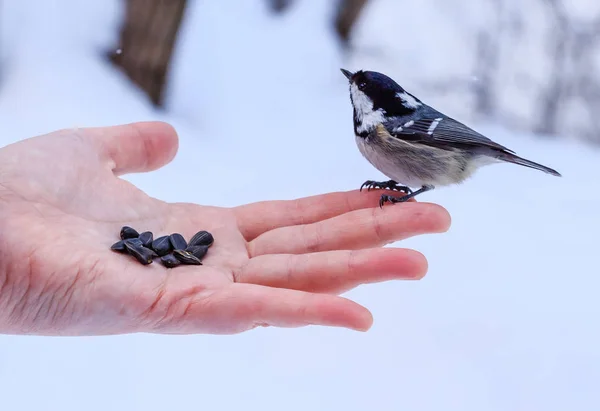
[{"x": 278, "y": 263}]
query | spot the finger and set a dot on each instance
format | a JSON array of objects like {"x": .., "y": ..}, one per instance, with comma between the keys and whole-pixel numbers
[
  {"x": 257, "y": 218},
  {"x": 333, "y": 271},
  {"x": 245, "y": 306},
  {"x": 136, "y": 147},
  {"x": 366, "y": 228}
]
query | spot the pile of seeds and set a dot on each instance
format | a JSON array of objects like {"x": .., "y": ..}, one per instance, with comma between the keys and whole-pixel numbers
[{"x": 172, "y": 249}]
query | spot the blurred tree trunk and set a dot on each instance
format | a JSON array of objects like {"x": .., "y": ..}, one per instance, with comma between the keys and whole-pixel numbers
[
  {"x": 148, "y": 37},
  {"x": 280, "y": 5},
  {"x": 347, "y": 14}
]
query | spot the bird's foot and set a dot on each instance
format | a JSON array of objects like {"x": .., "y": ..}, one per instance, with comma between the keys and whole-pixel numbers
[
  {"x": 390, "y": 185},
  {"x": 392, "y": 199}
]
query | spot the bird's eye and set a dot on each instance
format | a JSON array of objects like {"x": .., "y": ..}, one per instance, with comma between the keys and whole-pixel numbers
[{"x": 362, "y": 85}]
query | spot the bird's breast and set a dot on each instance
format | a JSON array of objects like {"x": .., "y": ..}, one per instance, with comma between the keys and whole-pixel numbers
[
  {"x": 409, "y": 163},
  {"x": 387, "y": 161}
]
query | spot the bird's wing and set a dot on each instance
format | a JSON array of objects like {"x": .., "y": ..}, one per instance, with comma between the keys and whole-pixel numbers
[{"x": 440, "y": 131}]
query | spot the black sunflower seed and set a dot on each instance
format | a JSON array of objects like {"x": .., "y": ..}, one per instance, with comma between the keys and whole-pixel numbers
[
  {"x": 177, "y": 241},
  {"x": 170, "y": 261},
  {"x": 199, "y": 251},
  {"x": 202, "y": 238},
  {"x": 147, "y": 237},
  {"x": 119, "y": 246},
  {"x": 128, "y": 232},
  {"x": 162, "y": 245},
  {"x": 142, "y": 254},
  {"x": 186, "y": 257},
  {"x": 133, "y": 242}
]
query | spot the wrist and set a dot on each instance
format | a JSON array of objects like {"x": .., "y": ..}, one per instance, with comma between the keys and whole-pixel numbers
[
  {"x": 5, "y": 309},
  {"x": 13, "y": 273}
]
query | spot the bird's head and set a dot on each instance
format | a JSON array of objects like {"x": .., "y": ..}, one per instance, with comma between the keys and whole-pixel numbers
[{"x": 375, "y": 96}]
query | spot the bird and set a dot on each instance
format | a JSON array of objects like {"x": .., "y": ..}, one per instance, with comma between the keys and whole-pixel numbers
[{"x": 415, "y": 145}]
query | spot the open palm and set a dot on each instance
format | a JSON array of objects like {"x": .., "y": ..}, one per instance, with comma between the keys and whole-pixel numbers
[{"x": 279, "y": 263}]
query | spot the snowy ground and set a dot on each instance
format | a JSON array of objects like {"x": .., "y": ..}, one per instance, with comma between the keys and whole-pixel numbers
[{"x": 505, "y": 320}]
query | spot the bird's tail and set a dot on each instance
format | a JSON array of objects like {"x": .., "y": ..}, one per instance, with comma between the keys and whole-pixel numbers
[{"x": 512, "y": 158}]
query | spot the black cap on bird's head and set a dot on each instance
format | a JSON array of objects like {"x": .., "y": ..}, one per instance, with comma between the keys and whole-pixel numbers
[
  {"x": 382, "y": 91},
  {"x": 371, "y": 80}
]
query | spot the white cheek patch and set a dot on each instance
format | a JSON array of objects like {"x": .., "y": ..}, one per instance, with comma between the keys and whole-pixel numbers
[
  {"x": 408, "y": 100},
  {"x": 366, "y": 116},
  {"x": 362, "y": 103}
]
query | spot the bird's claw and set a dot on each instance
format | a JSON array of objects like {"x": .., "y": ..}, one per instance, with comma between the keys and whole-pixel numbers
[
  {"x": 391, "y": 199},
  {"x": 390, "y": 185}
]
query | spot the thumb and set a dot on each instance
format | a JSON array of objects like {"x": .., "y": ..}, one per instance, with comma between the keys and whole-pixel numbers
[{"x": 136, "y": 147}]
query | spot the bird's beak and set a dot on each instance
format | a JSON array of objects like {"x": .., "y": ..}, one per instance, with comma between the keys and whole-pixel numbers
[{"x": 347, "y": 73}]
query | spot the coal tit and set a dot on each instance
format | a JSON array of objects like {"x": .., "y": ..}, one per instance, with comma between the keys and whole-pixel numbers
[{"x": 414, "y": 144}]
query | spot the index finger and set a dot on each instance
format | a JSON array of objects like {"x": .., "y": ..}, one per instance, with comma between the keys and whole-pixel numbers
[{"x": 257, "y": 218}]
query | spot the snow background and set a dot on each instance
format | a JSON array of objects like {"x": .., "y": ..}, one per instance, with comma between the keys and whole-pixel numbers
[
  {"x": 506, "y": 318},
  {"x": 539, "y": 67}
]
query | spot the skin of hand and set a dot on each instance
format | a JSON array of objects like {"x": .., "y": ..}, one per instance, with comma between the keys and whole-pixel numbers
[{"x": 273, "y": 263}]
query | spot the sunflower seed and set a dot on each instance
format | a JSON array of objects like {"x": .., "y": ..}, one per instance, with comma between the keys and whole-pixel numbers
[
  {"x": 186, "y": 257},
  {"x": 146, "y": 237},
  {"x": 177, "y": 241},
  {"x": 142, "y": 254},
  {"x": 202, "y": 238},
  {"x": 119, "y": 246},
  {"x": 170, "y": 261},
  {"x": 173, "y": 249},
  {"x": 128, "y": 232},
  {"x": 199, "y": 251},
  {"x": 133, "y": 242},
  {"x": 162, "y": 245}
]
